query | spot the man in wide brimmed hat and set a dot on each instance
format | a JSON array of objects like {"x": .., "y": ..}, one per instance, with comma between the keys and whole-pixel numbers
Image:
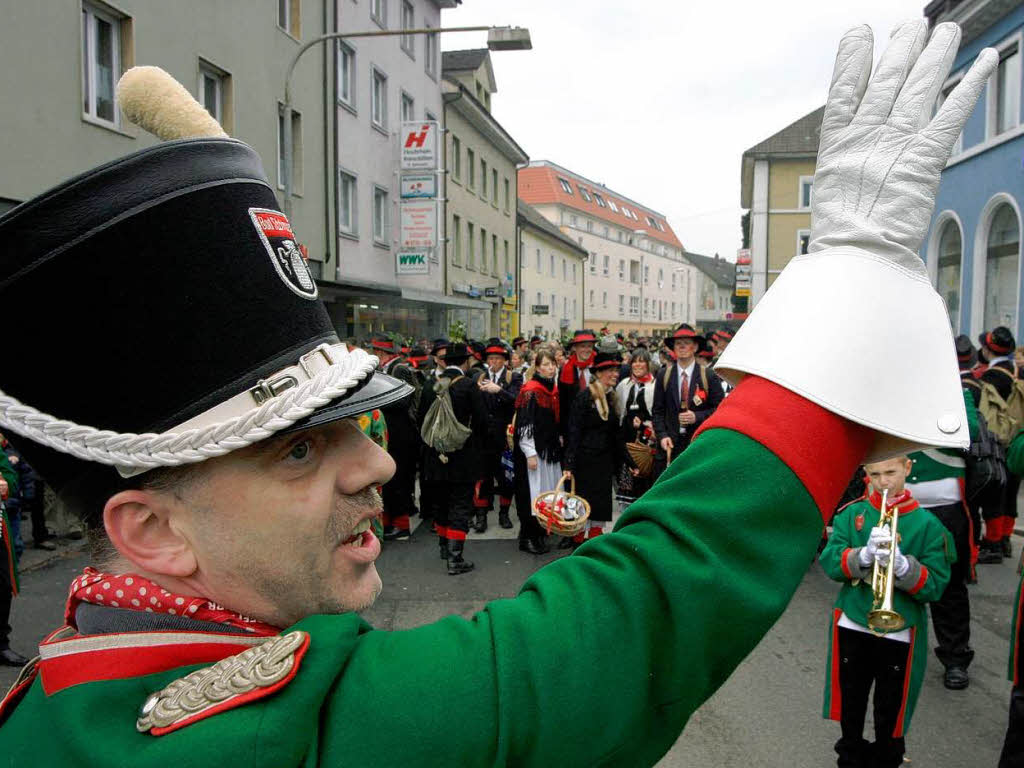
[
  {"x": 199, "y": 410},
  {"x": 575, "y": 373}
]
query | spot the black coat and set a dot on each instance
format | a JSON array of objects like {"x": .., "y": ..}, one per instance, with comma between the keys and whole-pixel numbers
[
  {"x": 500, "y": 408},
  {"x": 463, "y": 465},
  {"x": 594, "y": 453},
  {"x": 667, "y": 406},
  {"x": 400, "y": 417},
  {"x": 999, "y": 379}
]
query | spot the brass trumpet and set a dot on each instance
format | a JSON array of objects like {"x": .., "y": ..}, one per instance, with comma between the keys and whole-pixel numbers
[{"x": 882, "y": 618}]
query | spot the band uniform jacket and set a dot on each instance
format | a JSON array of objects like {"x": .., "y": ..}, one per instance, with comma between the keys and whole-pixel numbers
[
  {"x": 463, "y": 465},
  {"x": 666, "y": 404},
  {"x": 501, "y": 407},
  {"x": 651, "y": 584}
]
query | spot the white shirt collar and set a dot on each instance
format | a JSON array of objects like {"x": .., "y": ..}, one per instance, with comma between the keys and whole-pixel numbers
[
  {"x": 688, "y": 370},
  {"x": 999, "y": 359}
]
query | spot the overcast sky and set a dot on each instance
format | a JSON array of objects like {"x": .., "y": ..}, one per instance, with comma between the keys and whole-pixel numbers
[{"x": 658, "y": 99}]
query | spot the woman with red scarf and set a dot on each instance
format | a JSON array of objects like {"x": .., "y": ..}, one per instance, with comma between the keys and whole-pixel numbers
[
  {"x": 575, "y": 373},
  {"x": 538, "y": 447},
  {"x": 634, "y": 397}
]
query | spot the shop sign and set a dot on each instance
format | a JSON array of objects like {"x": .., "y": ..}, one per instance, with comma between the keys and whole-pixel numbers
[
  {"x": 411, "y": 263},
  {"x": 491, "y": 293},
  {"x": 419, "y": 145},
  {"x": 419, "y": 185},
  {"x": 743, "y": 256},
  {"x": 419, "y": 225},
  {"x": 743, "y": 291},
  {"x": 742, "y": 270},
  {"x": 539, "y": 309}
]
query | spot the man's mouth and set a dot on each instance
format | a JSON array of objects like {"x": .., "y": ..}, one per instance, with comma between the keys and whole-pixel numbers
[{"x": 358, "y": 534}]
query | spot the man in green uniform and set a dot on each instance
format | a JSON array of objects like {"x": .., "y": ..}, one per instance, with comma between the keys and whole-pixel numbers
[
  {"x": 1013, "y": 746},
  {"x": 214, "y": 451}
]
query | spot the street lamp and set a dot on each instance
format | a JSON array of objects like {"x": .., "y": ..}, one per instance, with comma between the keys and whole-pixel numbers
[{"x": 498, "y": 39}]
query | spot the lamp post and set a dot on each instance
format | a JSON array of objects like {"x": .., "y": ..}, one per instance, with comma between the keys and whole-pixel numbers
[{"x": 498, "y": 39}]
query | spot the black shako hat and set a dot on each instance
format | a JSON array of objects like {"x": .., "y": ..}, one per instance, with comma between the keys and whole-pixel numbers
[
  {"x": 999, "y": 340},
  {"x": 182, "y": 304},
  {"x": 966, "y": 354},
  {"x": 684, "y": 331},
  {"x": 496, "y": 346}
]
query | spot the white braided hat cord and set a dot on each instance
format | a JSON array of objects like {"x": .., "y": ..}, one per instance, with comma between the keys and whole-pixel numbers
[{"x": 171, "y": 449}]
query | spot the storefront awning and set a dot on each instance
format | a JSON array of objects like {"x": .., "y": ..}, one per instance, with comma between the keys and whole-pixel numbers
[{"x": 431, "y": 297}]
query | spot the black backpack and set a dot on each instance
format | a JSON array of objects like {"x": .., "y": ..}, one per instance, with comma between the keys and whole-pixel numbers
[{"x": 986, "y": 463}]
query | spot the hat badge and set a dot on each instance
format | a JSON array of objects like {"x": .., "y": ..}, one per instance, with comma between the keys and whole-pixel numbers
[{"x": 276, "y": 234}]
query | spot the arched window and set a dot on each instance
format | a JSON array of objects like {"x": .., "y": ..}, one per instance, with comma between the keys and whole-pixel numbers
[
  {"x": 1002, "y": 268},
  {"x": 950, "y": 260}
]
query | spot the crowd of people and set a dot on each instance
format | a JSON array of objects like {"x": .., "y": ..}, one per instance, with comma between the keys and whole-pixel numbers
[{"x": 604, "y": 413}]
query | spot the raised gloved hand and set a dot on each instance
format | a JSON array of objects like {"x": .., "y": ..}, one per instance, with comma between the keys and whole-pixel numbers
[
  {"x": 879, "y": 163},
  {"x": 877, "y": 540},
  {"x": 902, "y": 563}
]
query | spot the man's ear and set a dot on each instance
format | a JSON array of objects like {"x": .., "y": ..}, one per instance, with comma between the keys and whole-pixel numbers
[{"x": 142, "y": 526}]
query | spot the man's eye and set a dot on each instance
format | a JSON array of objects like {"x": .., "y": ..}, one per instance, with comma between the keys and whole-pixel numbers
[{"x": 300, "y": 450}]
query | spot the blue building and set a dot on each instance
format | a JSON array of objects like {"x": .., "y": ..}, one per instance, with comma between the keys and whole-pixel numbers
[{"x": 973, "y": 249}]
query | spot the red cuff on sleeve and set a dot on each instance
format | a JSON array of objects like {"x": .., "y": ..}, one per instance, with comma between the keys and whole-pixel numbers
[
  {"x": 821, "y": 448},
  {"x": 921, "y": 581},
  {"x": 843, "y": 565}
]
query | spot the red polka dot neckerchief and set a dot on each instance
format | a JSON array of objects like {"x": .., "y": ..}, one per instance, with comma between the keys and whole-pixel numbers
[{"x": 136, "y": 593}]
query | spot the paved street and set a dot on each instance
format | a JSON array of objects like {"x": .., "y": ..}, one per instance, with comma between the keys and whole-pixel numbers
[{"x": 767, "y": 714}]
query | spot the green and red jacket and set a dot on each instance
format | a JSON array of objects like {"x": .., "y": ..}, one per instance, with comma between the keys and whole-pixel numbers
[
  {"x": 928, "y": 546},
  {"x": 1015, "y": 463},
  {"x": 682, "y": 564},
  {"x": 9, "y": 559}
]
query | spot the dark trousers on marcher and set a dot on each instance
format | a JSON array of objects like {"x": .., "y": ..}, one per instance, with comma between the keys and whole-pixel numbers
[
  {"x": 6, "y": 590},
  {"x": 493, "y": 482},
  {"x": 865, "y": 659},
  {"x": 453, "y": 504},
  {"x": 951, "y": 613},
  {"x": 399, "y": 492},
  {"x": 1013, "y": 746}
]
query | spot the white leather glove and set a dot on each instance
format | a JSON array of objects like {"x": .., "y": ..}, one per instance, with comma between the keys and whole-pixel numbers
[
  {"x": 902, "y": 564},
  {"x": 879, "y": 163},
  {"x": 870, "y": 551}
]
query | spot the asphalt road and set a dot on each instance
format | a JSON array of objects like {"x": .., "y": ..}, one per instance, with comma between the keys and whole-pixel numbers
[{"x": 769, "y": 712}]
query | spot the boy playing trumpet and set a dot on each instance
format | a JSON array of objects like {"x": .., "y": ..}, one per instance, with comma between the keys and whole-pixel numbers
[{"x": 894, "y": 660}]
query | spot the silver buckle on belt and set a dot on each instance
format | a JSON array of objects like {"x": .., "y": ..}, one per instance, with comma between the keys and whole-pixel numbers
[
  {"x": 309, "y": 357},
  {"x": 265, "y": 390}
]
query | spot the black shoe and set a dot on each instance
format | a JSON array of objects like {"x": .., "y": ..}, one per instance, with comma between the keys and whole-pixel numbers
[
  {"x": 48, "y": 545},
  {"x": 503, "y": 520},
  {"x": 533, "y": 546},
  {"x": 480, "y": 523},
  {"x": 956, "y": 678},
  {"x": 567, "y": 542},
  {"x": 443, "y": 544},
  {"x": 1006, "y": 547},
  {"x": 990, "y": 554},
  {"x": 456, "y": 564},
  {"x": 396, "y": 534},
  {"x": 9, "y": 658}
]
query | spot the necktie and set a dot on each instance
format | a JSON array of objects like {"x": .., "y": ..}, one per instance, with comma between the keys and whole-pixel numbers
[{"x": 684, "y": 390}]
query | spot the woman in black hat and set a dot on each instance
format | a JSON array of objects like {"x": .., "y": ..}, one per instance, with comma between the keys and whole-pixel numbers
[
  {"x": 634, "y": 397},
  {"x": 593, "y": 452}
]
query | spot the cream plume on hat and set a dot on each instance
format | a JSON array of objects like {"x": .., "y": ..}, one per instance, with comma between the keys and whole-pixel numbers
[{"x": 159, "y": 104}]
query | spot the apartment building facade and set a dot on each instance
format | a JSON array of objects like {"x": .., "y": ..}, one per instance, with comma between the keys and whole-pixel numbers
[
  {"x": 481, "y": 274},
  {"x": 973, "y": 247},
  {"x": 637, "y": 278},
  {"x": 776, "y": 183},
  {"x": 716, "y": 281},
  {"x": 551, "y": 275},
  {"x": 233, "y": 60}
]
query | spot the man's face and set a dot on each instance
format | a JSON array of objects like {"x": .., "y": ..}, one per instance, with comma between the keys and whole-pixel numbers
[
  {"x": 439, "y": 357},
  {"x": 608, "y": 377},
  {"x": 584, "y": 350},
  {"x": 280, "y": 530},
  {"x": 890, "y": 474},
  {"x": 495, "y": 362},
  {"x": 685, "y": 349}
]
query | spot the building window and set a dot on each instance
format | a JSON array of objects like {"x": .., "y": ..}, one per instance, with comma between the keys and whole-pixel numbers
[
  {"x": 806, "y": 186},
  {"x": 407, "y": 23},
  {"x": 622, "y": 269},
  {"x": 590, "y": 225},
  {"x": 599, "y": 200},
  {"x": 289, "y": 17},
  {"x": 456, "y": 158},
  {"x": 1007, "y": 101},
  {"x": 215, "y": 92},
  {"x": 950, "y": 260},
  {"x": 591, "y": 297},
  {"x": 604, "y": 298},
  {"x": 551, "y": 264},
  {"x": 380, "y": 215},
  {"x": 593, "y": 263},
  {"x": 573, "y": 221},
  {"x": 508, "y": 195},
  {"x": 494, "y": 187},
  {"x": 456, "y": 240},
  {"x": 605, "y": 265},
  {"x": 507, "y": 274},
  {"x": 622, "y": 305},
  {"x": 471, "y": 166},
  {"x": 470, "y": 246},
  {"x": 101, "y": 63},
  {"x": 483, "y": 178},
  {"x": 565, "y": 271},
  {"x": 634, "y": 305},
  {"x": 494, "y": 256},
  {"x": 565, "y": 185},
  {"x": 673, "y": 316},
  {"x": 803, "y": 239},
  {"x": 430, "y": 55},
  {"x": 379, "y": 99},
  {"x": 483, "y": 250},
  {"x": 583, "y": 193},
  {"x": 565, "y": 312},
  {"x": 634, "y": 272},
  {"x": 1002, "y": 268},
  {"x": 296, "y": 149},
  {"x": 574, "y": 273},
  {"x": 540, "y": 269},
  {"x": 347, "y": 212},
  {"x": 612, "y": 205},
  {"x": 379, "y": 12},
  {"x": 346, "y": 75},
  {"x": 408, "y": 108}
]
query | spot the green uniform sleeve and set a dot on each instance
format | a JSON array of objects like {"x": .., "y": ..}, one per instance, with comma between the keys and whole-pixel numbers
[
  {"x": 972, "y": 414},
  {"x": 633, "y": 632},
  {"x": 9, "y": 473},
  {"x": 929, "y": 571},
  {"x": 1015, "y": 454},
  {"x": 831, "y": 557}
]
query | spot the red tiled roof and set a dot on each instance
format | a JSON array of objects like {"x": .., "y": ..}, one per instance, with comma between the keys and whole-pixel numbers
[{"x": 539, "y": 185}]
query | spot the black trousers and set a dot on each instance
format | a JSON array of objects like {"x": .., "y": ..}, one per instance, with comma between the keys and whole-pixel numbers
[
  {"x": 6, "y": 588},
  {"x": 951, "y": 613},
  {"x": 399, "y": 492},
  {"x": 1013, "y": 746},
  {"x": 864, "y": 660},
  {"x": 452, "y": 506},
  {"x": 492, "y": 482}
]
